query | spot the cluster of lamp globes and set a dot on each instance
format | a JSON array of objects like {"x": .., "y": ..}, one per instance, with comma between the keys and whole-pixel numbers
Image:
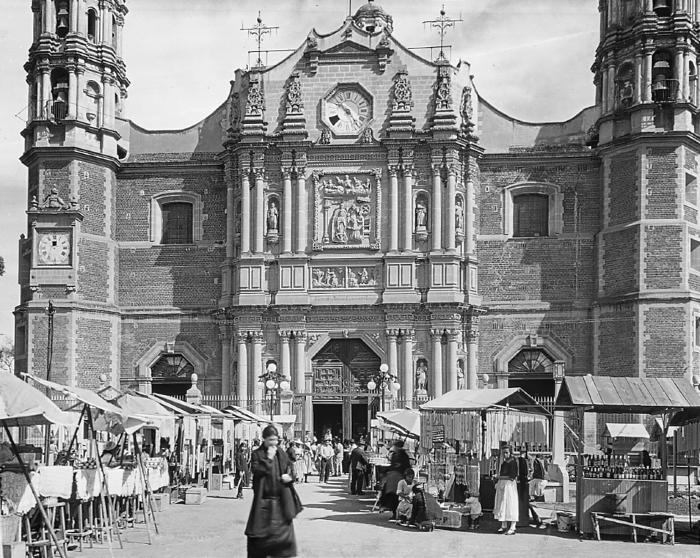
[
  {"x": 272, "y": 384},
  {"x": 387, "y": 380}
]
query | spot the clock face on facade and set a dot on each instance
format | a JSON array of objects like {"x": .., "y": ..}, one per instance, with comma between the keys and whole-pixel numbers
[
  {"x": 54, "y": 248},
  {"x": 347, "y": 110}
]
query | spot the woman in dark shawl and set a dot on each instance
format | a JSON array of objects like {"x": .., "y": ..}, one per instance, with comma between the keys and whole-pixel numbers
[{"x": 270, "y": 530}]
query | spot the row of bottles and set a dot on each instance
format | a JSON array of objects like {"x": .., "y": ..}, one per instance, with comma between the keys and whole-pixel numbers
[{"x": 617, "y": 467}]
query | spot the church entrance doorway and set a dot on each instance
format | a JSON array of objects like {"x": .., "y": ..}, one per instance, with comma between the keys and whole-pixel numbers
[
  {"x": 341, "y": 371},
  {"x": 533, "y": 371},
  {"x": 170, "y": 375}
]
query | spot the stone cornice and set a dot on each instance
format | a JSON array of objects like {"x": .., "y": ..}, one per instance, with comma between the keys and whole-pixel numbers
[{"x": 69, "y": 153}]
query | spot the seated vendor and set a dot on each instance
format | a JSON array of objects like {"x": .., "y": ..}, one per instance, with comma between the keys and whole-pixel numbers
[{"x": 404, "y": 491}]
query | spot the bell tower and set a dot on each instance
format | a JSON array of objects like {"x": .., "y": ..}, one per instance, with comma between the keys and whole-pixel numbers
[
  {"x": 77, "y": 88},
  {"x": 649, "y": 244}
]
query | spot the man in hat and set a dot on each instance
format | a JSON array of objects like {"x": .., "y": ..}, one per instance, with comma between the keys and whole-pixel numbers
[{"x": 327, "y": 453}]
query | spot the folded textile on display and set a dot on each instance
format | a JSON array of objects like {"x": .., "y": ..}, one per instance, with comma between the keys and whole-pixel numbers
[
  {"x": 56, "y": 481},
  {"x": 88, "y": 483},
  {"x": 16, "y": 492}
]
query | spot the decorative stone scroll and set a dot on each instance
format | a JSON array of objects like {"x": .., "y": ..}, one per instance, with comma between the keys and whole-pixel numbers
[
  {"x": 295, "y": 103},
  {"x": 255, "y": 102},
  {"x": 443, "y": 89},
  {"x": 403, "y": 97},
  {"x": 344, "y": 277},
  {"x": 347, "y": 210}
]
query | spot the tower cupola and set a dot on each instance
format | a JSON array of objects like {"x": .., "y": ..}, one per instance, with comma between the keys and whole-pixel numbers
[{"x": 373, "y": 19}]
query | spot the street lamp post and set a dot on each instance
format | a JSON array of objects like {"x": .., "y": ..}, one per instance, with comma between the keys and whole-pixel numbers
[
  {"x": 385, "y": 379},
  {"x": 274, "y": 381}
]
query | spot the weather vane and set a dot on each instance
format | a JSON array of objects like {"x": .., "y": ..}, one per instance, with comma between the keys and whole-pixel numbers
[
  {"x": 259, "y": 31},
  {"x": 442, "y": 25}
]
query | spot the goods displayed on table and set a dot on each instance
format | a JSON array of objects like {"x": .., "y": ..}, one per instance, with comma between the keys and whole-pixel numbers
[{"x": 617, "y": 467}]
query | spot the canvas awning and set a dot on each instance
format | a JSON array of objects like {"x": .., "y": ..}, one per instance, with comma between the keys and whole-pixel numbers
[
  {"x": 482, "y": 399},
  {"x": 23, "y": 405},
  {"x": 626, "y": 430},
  {"x": 606, "y": 394},
  {"x": 244, "y": 414},
  {"x": 85, "y": 396},
  {"x": 405, "y": 421}
]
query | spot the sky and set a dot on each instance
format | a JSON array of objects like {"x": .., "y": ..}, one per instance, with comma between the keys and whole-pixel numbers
[{"x": 530, "y": 59}]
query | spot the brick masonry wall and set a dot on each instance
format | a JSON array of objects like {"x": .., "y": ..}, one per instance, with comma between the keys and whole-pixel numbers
[
  {"x": 662, "y": 183},
  {"x": 139, "y": 336},
  {"x": 623, "y": 190},
  {"x": 92, "y": 192},
  {"x": 93, "y": 357},
  {"x": 617, "y": 341},
  {"x": 54, "y": 174},
  {"x": 170, "y": 276},
  {"x": 665, "y": 341},
  {"x": 663, "y": 254},
  {"x": 93, "y": 277},
  {"x": 694, "y": 281},
  {"x": 620, "y": 264},
  {"x": 62, "y": 339}
]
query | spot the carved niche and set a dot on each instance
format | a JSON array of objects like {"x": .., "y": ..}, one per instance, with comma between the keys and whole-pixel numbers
[
  {"x": 403, "y": 97},
  {"x": 347, "y": 210}
]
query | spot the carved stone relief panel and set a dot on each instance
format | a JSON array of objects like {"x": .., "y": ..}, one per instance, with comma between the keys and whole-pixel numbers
[{"x": 345, "y": 277}]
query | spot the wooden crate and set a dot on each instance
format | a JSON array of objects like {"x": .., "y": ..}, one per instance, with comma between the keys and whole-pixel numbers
[{"x": 195, "y": 496}]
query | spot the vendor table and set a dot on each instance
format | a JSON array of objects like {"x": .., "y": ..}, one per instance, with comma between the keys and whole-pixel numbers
[
  {"x": 633, "y": 520},
  {"x": 639, "y": 497}
]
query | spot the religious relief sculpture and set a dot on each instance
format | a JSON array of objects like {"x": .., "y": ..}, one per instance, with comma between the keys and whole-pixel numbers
[
  {"x": 443, "y": 90},
  {"x": 367, "y": 136},
  {"x": 295, "y": 103},
  {"x": 51, "y": 201},
  {"x": 255, "y": 102},
  {"x": 234, "y": 111},
  {"x": 347, "y": 209},
  {"x": 325, "y": 138},
  {"x": 343, "y": 277},
  {"x": 460, "y": 378},
  {"x": 403, "y": 97},
  {"x": 421, "y": 377},
  {"x": 459, "y": 217},
  {"x": 272, "y": 220}
]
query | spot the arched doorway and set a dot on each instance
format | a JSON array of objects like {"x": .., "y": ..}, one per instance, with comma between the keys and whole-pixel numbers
[
  {"x": 341, "y": 371},
  {"x": 532, "y": 369},
  {"x": 170, "y": 375}
]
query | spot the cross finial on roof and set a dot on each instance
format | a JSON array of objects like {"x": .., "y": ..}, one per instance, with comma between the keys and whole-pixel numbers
[
  {"x": 259, "y": 30},
  {"x": 442, "y": 24}
]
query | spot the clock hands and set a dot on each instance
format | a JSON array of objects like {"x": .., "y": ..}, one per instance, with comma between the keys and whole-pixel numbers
[{"x": 350, "y": 113}]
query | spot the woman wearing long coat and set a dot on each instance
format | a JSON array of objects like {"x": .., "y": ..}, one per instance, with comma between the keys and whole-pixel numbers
[{"x": 270, "y": 530}]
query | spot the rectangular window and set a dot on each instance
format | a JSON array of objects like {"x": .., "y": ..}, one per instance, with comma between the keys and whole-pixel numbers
[
  {"x": 177, "y": 223},
  {"x": 691, "y": 189},
  {"x": 531, "y": 215},
  {"x": 695, "y": 255}
]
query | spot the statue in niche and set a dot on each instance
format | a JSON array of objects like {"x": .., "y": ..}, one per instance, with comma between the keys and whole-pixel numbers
[
  {"x": 459, "y": 215},
  {"x": 460, "y": 377},
  {"x": 339, "y": 225},
  {"x": 421, "y": 376},
  {"x": 272, "y": 217},
  {"x": 421, "y": 215},
  {"x": 626, "y": 93}
]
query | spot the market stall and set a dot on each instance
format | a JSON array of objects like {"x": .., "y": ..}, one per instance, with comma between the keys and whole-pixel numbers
[
  {"x": 615, "y": 495},
  {"x": 462, "y": 433}
]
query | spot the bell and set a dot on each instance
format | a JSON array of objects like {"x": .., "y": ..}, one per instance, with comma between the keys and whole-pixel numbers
[
  {"x": 62, "y": 21},
  {"x": 662, "y": 7}
]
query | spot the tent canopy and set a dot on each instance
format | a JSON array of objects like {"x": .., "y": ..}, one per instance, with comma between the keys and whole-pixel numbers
[
  {"x": 626, "y": 430},
  {"x": 482, "y": 399},
  {"x": 405, "y": 421},
  {"x": 24, "y": 405},
  {"x": 183, "y": 406},
  {"x": 244, "y": 414},
  {"x": 83, "y": 395},
  {"x": 606, "y": 394}
]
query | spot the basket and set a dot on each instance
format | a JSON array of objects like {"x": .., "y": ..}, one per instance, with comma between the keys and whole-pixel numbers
[{"x": 10, "y": 529}]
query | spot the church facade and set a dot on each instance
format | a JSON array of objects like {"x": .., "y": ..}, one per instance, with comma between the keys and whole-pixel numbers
[{"x": 357, "y": 205}]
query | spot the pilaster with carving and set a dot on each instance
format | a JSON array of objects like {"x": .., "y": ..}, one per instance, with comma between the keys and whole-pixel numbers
[
  {"x": 294, "y": 122},
  {"x": 444, "y": 117},
  {"x": 401, "y": 119},
  {"x": 253, "y": 121}
]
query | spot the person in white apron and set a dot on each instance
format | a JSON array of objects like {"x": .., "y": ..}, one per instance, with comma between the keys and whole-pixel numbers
[{"x": 506, "y": 508}]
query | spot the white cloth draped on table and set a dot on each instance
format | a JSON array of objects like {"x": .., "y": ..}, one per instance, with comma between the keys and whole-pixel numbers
[
  {"x": 506, "y": 506},
  {"x": 56, "y": 481},
  {"x": 88, "y": 483}
]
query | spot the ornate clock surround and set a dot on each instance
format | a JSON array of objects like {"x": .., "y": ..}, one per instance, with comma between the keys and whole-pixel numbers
[
  {"x": 352, "y": 89},
  {"x": 49, "y": 221}
]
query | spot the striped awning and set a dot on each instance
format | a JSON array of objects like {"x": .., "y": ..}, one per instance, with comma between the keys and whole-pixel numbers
[{"x": 608, "y": 394}]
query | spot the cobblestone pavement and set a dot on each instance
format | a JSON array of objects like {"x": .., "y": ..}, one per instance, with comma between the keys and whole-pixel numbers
[{"x": 335, "y": 524}]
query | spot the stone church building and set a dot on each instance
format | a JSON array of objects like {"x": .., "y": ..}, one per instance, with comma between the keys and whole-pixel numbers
[{"x": 355, "y": 205}]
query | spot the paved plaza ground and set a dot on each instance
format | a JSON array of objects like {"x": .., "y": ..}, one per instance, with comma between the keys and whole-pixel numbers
[{"x": 335, "y": 524}]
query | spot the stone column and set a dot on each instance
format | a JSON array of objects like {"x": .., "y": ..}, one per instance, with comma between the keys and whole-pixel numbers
[
  {"x": 105, "y": 20},
  {"x": 287, "y": 211},
  {"x": 245, "y": 212},
  {"x": 256, "y": 390},
  {"x": 646, "y": 94},
  {"x": 638, "y": 75},
  {"x": 685, "y": 85},
  {"x": 472, "y": 371},
  {"x": 407, "y": 208},
  {"x": 230, "y": 217},
  {"x": 285, "y": 360},
  {"x": 604, "y": 88},
  {"x": 300, "y": 358},
  {"x": 259, "y": 234},
  {"x": 393, "y": 209},
  {"x": 72, "y": 92},
  {"x": 436, "y": 337},
  {"x": 678, "y": 73},
  {"x": 225, "y": 361},
  {"x": 470, "y": 203},
  {"x": 452, "y": 336},
  {"x": 407, "y": 379},
  {"x": 45, "y": 92},
  {"x": 437, "y": 209},
  {"x": 392, "y": 352},
  {"x": 242, "y": 393},
  {"x": 50, "y": 17},
  {"x": 73, "y": 16},
  {"x": 611, "y": 88},
  {"x": 451, "y": 191},
  {"x": 648, "y": 6},
  {"x": 302, "y": 211}
]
